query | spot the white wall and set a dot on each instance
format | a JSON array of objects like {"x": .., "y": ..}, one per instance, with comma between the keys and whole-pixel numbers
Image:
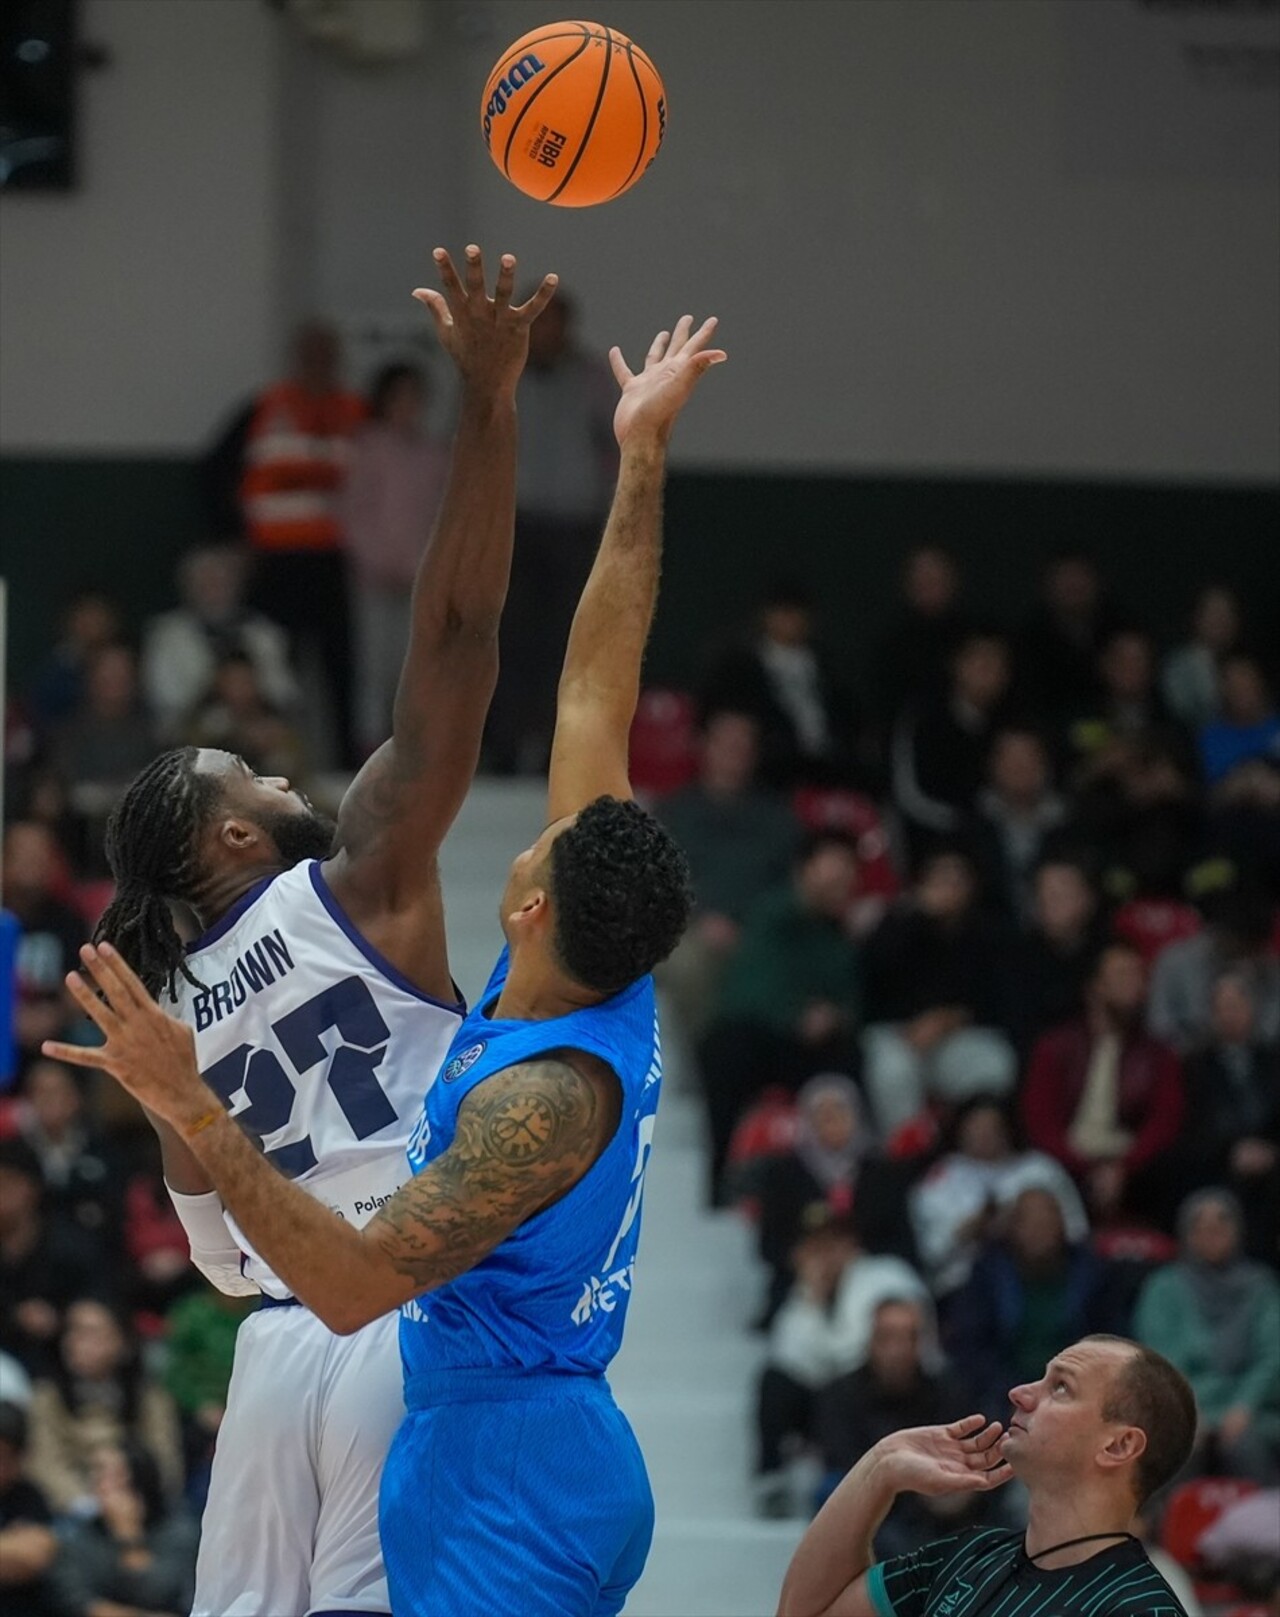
[
  {"x": 963, "y": 234},
  {"x": 133, "y": 309},
  {"x": 924, "y": 227}
]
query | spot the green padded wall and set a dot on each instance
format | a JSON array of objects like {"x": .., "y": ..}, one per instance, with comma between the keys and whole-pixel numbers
[{"x": 121, "y": 523}]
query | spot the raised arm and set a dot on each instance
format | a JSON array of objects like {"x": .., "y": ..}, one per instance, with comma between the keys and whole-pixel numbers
[
  {"x": 600, "y": 680},
  {"x": 830, "y": 1573},
  {"x": 401, "y": 804},
  {"x": 524, "y": 1138}
]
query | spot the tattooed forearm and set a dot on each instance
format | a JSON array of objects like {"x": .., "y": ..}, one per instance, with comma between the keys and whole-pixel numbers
[{"x": 524, "y": 1138}]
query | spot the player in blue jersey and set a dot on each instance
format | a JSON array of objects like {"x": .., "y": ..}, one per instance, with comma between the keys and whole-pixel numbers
[{"x": 514, "y": 1484}]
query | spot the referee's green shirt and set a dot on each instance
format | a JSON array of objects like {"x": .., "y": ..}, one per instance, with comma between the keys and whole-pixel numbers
[{"x": 985, "y": 1574}]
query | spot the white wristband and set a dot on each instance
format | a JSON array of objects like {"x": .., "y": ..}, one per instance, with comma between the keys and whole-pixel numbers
[{"x": 213, "y": 1249}]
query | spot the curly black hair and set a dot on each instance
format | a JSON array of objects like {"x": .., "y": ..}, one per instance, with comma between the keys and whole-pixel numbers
[
  {"x": 622, "y": 895},
  {"x": 152, "y": 848}
]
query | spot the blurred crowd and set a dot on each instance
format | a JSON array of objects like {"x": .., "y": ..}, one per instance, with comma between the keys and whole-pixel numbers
[
  {"x": 983, "y": 996},
  {"x": 982, "y": 992}
]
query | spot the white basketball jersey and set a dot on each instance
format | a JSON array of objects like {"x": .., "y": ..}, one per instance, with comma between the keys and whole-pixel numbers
[{"x": 318, "y": 1046}]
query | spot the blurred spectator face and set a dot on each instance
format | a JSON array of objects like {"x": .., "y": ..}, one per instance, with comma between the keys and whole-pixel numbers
[
  {"x": 1071, "y": 586},
  {"x": 112, "y": 686},
  {"x": 1064, "y": 901},
  {"x": 1245, "y": 697},
  {"x": 1019, "y": 767},
  {"x": 1036, "y": 1231},
  {"x": 91, "y": 621},
  {"x": 945, "y": 888},
  {"x": 30, "y": 862},
  {"x": 20, "y": 1191},
  {"x": 1128, "y": 667},
  {"x": 93, "y": 1345},
  {"x": 1149, "y": 774},
  {"x": 1119, "y": 986},
  {"x": 984, "y": 1135},
  {"x": 894, "y": 1350},
  {"x": 212, "y": 583},
  {"x": 1216, "y": 623},
  {"x": 54, "y": 1097},
  {"x": 981, "y": 671},
  {"x": 930, "y": 582},
  {"x": 1232, "y": 1011},
  {"x": 317, "y": 356},
  {"x": 787, "y": 623},
  {"x": 549, "y": 333},
  {"x": 46, "y": 798},
  {"x": 832, "y": 1120},
  {"x": 236, "y": 686},
  {"x": 827, "y": 878},
  {"x": 730, "y": 751},
  {"x": 1212, "y": 1232}
]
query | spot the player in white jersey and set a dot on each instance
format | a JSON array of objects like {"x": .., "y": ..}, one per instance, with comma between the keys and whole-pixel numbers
[{"x": 322, "y": 1004}]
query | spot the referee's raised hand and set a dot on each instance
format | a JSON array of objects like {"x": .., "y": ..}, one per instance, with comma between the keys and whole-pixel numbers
[{"x": 965, "y": 1457}]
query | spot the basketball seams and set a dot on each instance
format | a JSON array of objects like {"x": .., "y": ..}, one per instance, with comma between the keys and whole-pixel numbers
[
  {"x": 644, "y": 59},
  {"x": 591, "y": 122},
  {"x": 550, "y": 78},
  {"x": 658, "y": 90},
  {"x": 644, "y": 124}
]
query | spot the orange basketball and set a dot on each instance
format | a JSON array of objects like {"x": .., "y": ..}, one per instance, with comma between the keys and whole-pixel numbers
[{"x": 573, "y": 113}]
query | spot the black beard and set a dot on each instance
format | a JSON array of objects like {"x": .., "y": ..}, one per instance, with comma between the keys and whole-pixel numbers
[{"x": 308, "y": 835}]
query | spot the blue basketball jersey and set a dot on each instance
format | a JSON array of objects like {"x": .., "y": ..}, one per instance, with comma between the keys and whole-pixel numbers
[{"x": 554, "y": 1294}]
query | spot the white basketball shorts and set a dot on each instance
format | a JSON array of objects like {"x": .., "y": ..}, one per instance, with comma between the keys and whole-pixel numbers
[{"x": 291, "y": 1524}]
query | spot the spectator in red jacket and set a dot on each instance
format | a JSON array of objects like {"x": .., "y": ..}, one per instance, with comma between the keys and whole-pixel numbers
[
  {"x": 294, "y": 465},
  {"x": 1105, "y": 1098}
]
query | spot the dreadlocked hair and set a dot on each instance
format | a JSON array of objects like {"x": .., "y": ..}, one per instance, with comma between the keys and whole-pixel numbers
[{"x": 151, "y": 844}]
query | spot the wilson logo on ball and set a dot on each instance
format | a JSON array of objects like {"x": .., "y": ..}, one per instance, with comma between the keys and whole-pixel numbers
[
  {"x": 662, "y": 128},
  {"x": 508, "y": 87}
]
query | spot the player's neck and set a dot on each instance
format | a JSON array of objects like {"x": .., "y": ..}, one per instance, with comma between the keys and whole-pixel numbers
[
  {"x": 228, "y": 888},
  {"x": 1056, "y": 1514},
  {"x": 535, "y": 992}
]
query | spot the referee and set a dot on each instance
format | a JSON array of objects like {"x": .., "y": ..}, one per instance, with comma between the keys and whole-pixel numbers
[{"x": 1108, "y": 1424}]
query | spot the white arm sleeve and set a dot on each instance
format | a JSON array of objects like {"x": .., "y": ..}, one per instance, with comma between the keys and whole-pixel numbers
[{"x": 213, "y": 1251}]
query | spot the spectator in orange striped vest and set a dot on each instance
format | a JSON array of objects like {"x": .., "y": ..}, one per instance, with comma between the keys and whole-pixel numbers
[{"x": 295, "y": 461}]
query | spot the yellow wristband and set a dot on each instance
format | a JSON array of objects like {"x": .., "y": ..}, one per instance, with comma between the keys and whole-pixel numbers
[{"x": 203, "y": 1123}]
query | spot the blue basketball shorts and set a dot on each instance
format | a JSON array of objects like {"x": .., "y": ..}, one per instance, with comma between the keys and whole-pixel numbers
[{"x": 508, "y": 1493}]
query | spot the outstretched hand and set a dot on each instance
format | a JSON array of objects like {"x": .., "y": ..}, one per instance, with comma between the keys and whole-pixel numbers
[
  {"x": 487, "y": 337},
  {"x": 965, "y": 1457},
  {"x": 147, "y": 1052},
  {"x": 653, "y": 398}
]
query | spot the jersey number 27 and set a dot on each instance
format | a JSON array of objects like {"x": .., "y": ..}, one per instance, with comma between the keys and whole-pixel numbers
[{"x": 269, "y": 1092}]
